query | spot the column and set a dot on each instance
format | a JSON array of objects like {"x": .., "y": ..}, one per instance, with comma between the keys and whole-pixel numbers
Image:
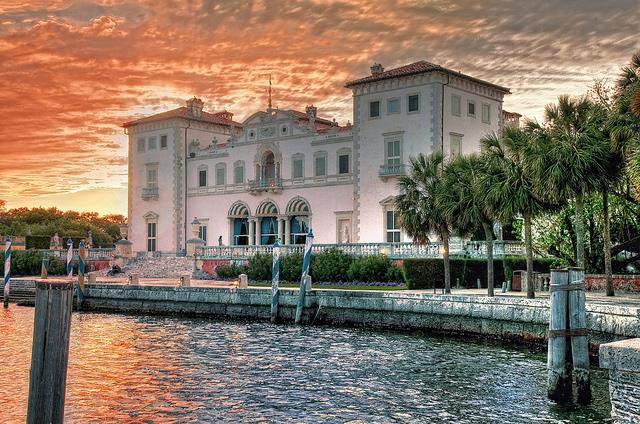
[
  {"x": 287, "y": 231},
  {"x": 258, "y": 232},
  {"x": 251, "y": 222}
]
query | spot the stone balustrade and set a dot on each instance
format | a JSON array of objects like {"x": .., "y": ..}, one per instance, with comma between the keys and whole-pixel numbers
[{"x": 474, "y": 249}]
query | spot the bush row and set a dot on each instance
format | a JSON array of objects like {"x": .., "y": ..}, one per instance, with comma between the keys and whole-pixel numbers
[
  {"x": 330, "y": 266},
  {"x": 28, "y": 263},
  {"x": 425, "y": 273}
]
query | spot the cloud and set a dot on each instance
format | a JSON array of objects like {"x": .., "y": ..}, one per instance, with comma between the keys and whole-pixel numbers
[{"x": 73, "y": 72}]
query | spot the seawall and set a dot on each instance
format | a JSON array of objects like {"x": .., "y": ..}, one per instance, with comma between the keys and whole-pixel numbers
[{"x": 509, "y": 318}]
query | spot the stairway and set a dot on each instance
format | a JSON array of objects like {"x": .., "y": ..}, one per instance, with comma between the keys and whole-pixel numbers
[
  {"x": 22, "y": 292},
  {"x": 161, "y": 267}
]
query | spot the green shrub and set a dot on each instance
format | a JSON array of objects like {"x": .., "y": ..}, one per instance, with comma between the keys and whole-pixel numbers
[
  {"x": 259, "y": 268},
  {"x": 427, "y": 273},
  {"x": 331, "y": 265},
  {"x": 58, "y": 266},
  {"x": 230, "y": 271},
  {"x": 291, "y": 267},
  {"x": 395, "y": 274},
  {"x": 369, "y": 269}
]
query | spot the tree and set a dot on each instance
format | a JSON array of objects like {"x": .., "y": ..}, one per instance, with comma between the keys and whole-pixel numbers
[
  {"x": 464, "y": 200},
  {"x": 510, "y": 185},
  {"x": 421, "y": 214},
  {"x": 569, "y": 156}
]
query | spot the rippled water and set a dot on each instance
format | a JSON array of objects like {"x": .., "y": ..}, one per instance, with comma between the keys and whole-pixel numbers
[{"x": 163, "y": 369}]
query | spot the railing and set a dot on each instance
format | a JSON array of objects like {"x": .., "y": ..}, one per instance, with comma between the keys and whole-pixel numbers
[
  {"x": 392, "y": 170},
  {"x": 149, "y": 192},
  {"x": 265, "y": 184},
  {"x": 93, "y": 254},
  {"x": 475, "y": 249}
]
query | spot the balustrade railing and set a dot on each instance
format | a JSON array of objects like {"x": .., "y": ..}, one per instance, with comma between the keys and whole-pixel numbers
[
  {"x": 94, "y": 254},
  {"x": 475, "y": 249}
]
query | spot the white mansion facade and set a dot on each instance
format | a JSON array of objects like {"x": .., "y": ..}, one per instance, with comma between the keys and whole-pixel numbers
[{"x": 281, "y": 172}]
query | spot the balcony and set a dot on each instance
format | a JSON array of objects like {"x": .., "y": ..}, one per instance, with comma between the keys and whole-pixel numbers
[
  {"x": 388, "y": 171},
  {"x": 273, "y": 185},
  {"x": 150, "y": 193}
]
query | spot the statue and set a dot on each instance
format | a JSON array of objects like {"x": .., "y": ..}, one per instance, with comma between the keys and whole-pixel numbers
[
  {"x": 220, "y": 241},
  {"x": 55, "y": 243},
  {"x": 89, "y": 243}
]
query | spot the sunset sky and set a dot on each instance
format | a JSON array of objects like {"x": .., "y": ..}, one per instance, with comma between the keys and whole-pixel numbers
[{"x": 72, "y": 72}]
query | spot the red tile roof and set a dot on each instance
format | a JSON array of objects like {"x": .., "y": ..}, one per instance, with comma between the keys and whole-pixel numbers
[
  {"x": 220, "y": 118},
  {"x": 418, "y": 68},
  {"x": 304, "y": 116}
]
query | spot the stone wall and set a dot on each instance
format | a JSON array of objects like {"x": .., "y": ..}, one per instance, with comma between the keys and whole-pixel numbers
[
  {"x": 622, "y": 359},
  {"x": 628, "y": 283},
  {"x": 505, "y": 318}
]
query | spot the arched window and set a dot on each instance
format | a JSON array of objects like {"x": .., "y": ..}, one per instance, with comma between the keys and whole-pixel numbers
[
  {"x": 268, "y": 212},
  {"x": 268, "y": 166},
  {"x": 298, "y": 213},
  {"x": 221, "y": 174},
  {"x": 239, "y": 219}
]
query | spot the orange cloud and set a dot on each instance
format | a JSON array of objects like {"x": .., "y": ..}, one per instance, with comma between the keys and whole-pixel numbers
[{"x": 72, "y": 72}]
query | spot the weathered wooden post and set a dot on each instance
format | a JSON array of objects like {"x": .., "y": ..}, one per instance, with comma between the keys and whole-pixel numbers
[
  {"x": 558, "y": 370},
  {"x": 275, "y": 279},
  {"x": 50, "y": 351},
  {"x": 306, "y": 262},
  {"x": 579, "y": 339},
  {"x": 7, "y": 272}
]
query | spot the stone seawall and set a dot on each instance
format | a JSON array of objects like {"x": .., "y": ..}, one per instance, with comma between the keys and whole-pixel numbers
[
  {"x": 622, "y": 359},
  {"x": 499, "y": 317}
]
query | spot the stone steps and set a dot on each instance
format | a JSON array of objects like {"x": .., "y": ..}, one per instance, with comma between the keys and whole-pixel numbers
[{"x": 161, "y": 267}]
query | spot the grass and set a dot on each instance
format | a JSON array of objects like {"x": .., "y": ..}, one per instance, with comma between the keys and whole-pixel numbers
[{"x": 331, "y": 286}]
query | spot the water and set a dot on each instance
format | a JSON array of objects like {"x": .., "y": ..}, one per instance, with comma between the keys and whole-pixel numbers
[{"x": 162, "y": 369}]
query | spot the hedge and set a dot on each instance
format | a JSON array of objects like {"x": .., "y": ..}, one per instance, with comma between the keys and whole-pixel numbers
[
  {"x": 29, "y": 262},
  {"x": 424, "y": 273}
]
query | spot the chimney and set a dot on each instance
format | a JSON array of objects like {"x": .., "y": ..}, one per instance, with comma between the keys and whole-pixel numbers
[
  {"x": 376, "y": 69},
  {"x": 311, "y": 114},
  {"x": 194, "y": 107}
]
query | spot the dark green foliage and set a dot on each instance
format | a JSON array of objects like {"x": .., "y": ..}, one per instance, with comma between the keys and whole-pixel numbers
[
  {"x": 395, "y": 274},
  {"x": 331, "y": 265},
  {"x": 29, "y": 262},
  {"x": 259, "y": 268},
  {"x": 291, "y": 267},
  {"x": 423, "y": 273},
  {"x": 230, "y": 271},
  {"x": 369, "y": 269}
]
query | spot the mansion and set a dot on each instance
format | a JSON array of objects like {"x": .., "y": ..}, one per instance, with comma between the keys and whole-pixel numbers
[{"x": 281, "y": 172}]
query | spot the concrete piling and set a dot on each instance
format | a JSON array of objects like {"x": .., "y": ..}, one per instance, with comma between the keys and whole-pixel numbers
[
  {"x": 579, "y": 341},
  {"x": 558, "y": 373}
]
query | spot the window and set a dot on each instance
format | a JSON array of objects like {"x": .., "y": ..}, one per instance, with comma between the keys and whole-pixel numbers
[
  {"x": 413, "y": 103},
  {"x": 486, "y": 113},
  {"x": 455, "y": 105},
  {"x": 238, "y": 172},
  {"x": 220, "y": 174},
  {"x": 343, "y": 164},
  {"x": 163, "y": 142},
  {"x": 252, "y": 134},
  {"x": 152, "y": 231},
  {"x": 392, "y": 227},
  {"x": 153, "y": 145},
  {"x": 393, "y": 105},
  {"x": 202, "y": 178},
  {"x": 152, "y": 176},
  {"x": 374, "y": 109},
  {"x": 455, "y": 144},
  {"x": 297, "y": 170},
  {"x": 202, "y": 233},
  {"x": 141, "y": 145},
  {"x": 471, "y": 109},
  {"x": 321, "y": 165},
  {"x": 393, "y": 154}
]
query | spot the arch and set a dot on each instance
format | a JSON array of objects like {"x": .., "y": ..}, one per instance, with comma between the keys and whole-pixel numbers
[
  {"x": 239, "y": 209},
  {"x": 298, "y": 206},
  {"x": 267, "y": 208}
]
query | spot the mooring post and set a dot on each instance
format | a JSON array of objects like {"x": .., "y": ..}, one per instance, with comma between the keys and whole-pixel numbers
[
  {"x": 44, "y": 268},
  {"x": 50, "y": 351},
  {"x": 579, "y": 335},
  {"x": 558, "y": 371},
  {"x": 7, "y": 272},
  {"x": 306, "y": 262},
  {"x": 478, "y": 283},
  {"x": 275, "y": 279}
]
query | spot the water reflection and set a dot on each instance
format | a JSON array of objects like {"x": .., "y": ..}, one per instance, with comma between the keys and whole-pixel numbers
[{"x": 161, "y": 369}]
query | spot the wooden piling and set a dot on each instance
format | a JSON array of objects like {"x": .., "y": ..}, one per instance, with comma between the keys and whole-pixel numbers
[
  {"x": 558, "y": 373},
  {"x": 50, "y": 351},
  {"x": 579, "y": 335}
]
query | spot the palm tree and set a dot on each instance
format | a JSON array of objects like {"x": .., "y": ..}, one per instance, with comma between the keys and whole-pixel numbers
[
  {"x": 465, "y": 202},
  {"x": 420, "y": 213},
  {"x": 510, "y": 186},
  {"x": 569, "y": 156}
]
